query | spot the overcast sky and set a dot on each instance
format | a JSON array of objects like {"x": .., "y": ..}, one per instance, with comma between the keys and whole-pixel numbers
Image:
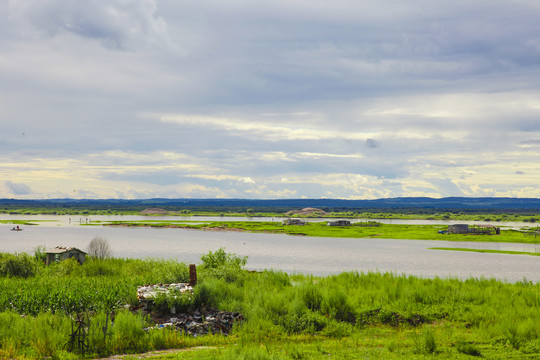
[{"x": 269, "y": 99}]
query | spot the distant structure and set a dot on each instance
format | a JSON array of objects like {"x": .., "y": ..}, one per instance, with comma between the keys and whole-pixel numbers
[
  {"x": 474, "y": 230},
  {"x": 293, "y": 222},
  {"x": 309, "y": 211},
  {"x": 61, "y": 253},
  {"x": 458, "y": 229},
  {"x": 339, "y": 223}
]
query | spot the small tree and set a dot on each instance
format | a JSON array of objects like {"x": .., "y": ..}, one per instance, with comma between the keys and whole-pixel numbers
[{"x": 99, "y": 248}]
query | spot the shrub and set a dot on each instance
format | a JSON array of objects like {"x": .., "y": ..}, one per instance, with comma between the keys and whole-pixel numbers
[
  {"x": 311, "y": 295},
  {"x": 68, "y": 267},
  {"x": 18, "y": 265},
  {"x": 220, "y": 264},
  {"x": 336, "y": 305},
  {"x": 219, "y": 258},
  {"x": 127, "y": 333}
]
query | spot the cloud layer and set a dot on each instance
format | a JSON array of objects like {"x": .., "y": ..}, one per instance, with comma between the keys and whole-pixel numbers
[{"x": 278, "y": 99}]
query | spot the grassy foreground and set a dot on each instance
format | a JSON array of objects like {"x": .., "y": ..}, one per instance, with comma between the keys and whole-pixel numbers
[
  {"x": 357, "y": 230},
  {"x": 346, "y": 316}
]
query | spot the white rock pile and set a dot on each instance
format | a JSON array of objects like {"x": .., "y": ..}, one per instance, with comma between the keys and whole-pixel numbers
[{"x": 150, "y": 292}]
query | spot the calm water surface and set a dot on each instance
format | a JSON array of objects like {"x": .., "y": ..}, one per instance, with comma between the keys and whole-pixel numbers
[
  {"x": 293, "y": 254},
  {"x": 77, "y": 220}
]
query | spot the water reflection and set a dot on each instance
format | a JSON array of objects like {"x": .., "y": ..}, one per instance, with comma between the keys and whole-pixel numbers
[{"x": 77, "y": 220}]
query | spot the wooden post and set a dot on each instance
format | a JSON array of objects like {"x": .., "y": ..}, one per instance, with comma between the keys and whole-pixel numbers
[{"x": 192, "y": 275}]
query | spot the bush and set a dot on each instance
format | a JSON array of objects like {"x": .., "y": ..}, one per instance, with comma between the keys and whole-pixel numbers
[
  {"x": 220, "y": 264},
  {"x": 219, "y": 258},
  {"x": 311, "y": 295},
  {"x": 18, "y": 265},
  {"x": 335, "y": 304},
  {"x": 127, "y": 333}
]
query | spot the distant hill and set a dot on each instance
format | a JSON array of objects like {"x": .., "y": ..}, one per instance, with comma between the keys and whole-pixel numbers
[{"x": 418, "y": 204}]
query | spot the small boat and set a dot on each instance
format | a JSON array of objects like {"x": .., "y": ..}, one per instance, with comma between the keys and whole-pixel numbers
[{"x": 17, "y": 229}]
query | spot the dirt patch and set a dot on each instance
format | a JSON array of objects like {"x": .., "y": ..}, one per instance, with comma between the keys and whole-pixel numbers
[
  {"x": 306, "y": 212},
  {"x": 156, "y": 353},
  {"x": 154, "y": 211}
]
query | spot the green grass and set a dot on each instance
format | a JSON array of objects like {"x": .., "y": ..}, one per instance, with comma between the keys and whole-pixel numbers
[
  {"x": 495, "y": 216},
  {"x": 488, "y": 251},
  {"x": 18, "y": 222},
  {"x": 320, "y": 229},
  {"x": 346, "y": 316}
]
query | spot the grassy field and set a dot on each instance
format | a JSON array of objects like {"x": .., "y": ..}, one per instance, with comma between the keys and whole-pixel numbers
[
  {"x": 488, "y": 251},
  {"x": 345, "y": 316},
  {"x": 358, "y": 230}
]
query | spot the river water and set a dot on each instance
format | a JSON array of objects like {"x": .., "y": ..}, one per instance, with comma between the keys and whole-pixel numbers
[{"x": 292, "y": 254}]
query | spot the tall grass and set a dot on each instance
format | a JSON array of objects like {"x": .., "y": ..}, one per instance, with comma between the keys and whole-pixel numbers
[{"x": 275, "y": 305}]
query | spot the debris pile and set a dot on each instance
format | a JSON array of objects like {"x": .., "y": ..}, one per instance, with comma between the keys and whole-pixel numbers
[
  {"x": 190, "y": 322},
  {"x": 195, "y": 323}
]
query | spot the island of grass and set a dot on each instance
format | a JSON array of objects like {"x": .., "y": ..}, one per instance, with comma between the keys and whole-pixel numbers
[
  {"x": 346, "y": 316},
  {"x": 488, "y": 251},
  {"x": 356, "y": 230}
]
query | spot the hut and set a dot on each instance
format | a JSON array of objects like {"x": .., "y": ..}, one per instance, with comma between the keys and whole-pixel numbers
[
  {"x": 61, "y": 253},
  {"x": 293, "y": 222},
  {"x": 458, "y": 229},
  {"x": 339, "y": 223}
]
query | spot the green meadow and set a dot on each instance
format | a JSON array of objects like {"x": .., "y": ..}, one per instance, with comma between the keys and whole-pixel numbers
[{"x": 346, "y": 316}]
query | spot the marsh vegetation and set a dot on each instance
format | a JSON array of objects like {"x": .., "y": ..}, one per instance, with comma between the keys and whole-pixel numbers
[
  {"x": 356, "y": 230},
  {"x": 350, "y": 315}
]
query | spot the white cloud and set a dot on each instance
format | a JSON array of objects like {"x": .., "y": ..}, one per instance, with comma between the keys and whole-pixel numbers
[{"x": 18, "y": 188}]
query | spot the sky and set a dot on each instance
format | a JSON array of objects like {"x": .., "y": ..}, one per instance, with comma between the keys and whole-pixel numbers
[{"x": 348, "y": 99}]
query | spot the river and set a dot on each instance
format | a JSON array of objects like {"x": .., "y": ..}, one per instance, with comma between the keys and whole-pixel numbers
[{"x": 292, "y": 254}]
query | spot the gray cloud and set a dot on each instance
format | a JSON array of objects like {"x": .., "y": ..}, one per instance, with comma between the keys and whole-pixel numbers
[
  {"x": 117, "y": 24},
  {"x": 295, "y": 96},
  {"x": 372, "y": 143},
  {"x": 18, "y": 188},
  {"x": 531, "y": 142}
]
